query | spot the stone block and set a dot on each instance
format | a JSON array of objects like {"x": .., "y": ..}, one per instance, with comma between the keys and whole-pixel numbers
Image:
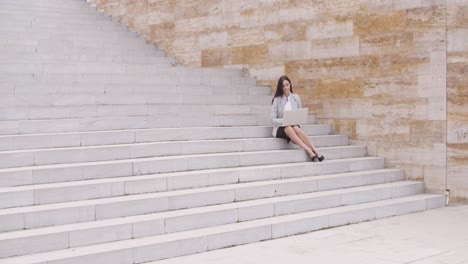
[
  {"x": 200, "y": 220},
  {"x": 102, "y": 234},
  {"x": 366, "y": 24},
  {"x": 60, "y": 156},
  {"x": 457, "y": 181},
  {"x": 393, "y": 176},
  {"x": 77, "y": 193},
  {"x": 435, "y": 202},
  {"x": 407, "y": 190},
  {"x": 249, "y": 175},
  {"x": 349, "y": 108},
  {"x": 357, "y": 151},
  {"x": 148, "y": 228},
  {"x": 369, "y": 179},
  {"x": 223, "y": 177},
  {"x": 60, "y": 216},
  {"x": 131, "y": 207},
  {"x": 146, "y": 185},
  {"x": 386, "y": 42},
  {"x": 188, "y": 181},
  {"x": 252, "y": 54},
  {"x": 255, "y": 192},
  {"x": 170, "y": 248},
  {"x": 31, "y": 245},
  {"x": 306, "y": 204},
  {"x": 351, "y": 217},
  {"x": 301, "y": 170},
  {"x": 385, "y": 129},
  {"x": 201, "y": 199},
  {"x": 350, "y": 198},
  {"x": 18, "y": 159},
  {"x": 400, "y": 208},
  {"x": 426, "y": 17},
  {"x": 335, "y": 47},
  {"x": 296, "y": 187},
  {"x": 213, "y": 40},
  {"x": 10, "y": 199},
  {"x": 239, "y": 237},
  {"x": 108, "y": 153},
  {"x": 107, "y": 170},
  {"x": 432, "y": 85},
  {"x": 9, "y": 127},
  {"x": 59, "y": 173},
  {"x": 16, "y": 178},
  {"x": 370, "y": 164},
  {"x": 124, "y": 256},
  {"x": 155, "y": 150},
  {"x": 212, "y": 162},
  {"x": 45, "y": 141},
  {"x": 332, "y": 183},
  {"x": 299, "y": 226},
  {"x": 255, "y": 211},
  {"x": 438, "y": 65},
  {"x": 437, "y": 108},
  {"x": 265, "y": 158},
  {"x": 329, "y": 29},
  {"x": 212, "y": 147}
]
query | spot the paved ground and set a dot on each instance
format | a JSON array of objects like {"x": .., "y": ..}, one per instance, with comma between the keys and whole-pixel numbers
[{"x": 436, "y": 236}]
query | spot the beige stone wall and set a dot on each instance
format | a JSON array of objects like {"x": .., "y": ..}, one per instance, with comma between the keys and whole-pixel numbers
[
  {"x": 457, "y": 100},
  {"x": 376, "y": 70}
]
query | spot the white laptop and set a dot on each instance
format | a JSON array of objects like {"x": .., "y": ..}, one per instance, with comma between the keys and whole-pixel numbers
[{"x": 295, "y": 117}]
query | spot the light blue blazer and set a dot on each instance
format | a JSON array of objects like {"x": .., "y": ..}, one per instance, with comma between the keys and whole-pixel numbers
[{"x": 277, "y": 109}]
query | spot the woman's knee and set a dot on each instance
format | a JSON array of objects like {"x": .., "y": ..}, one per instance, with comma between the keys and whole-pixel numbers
[
  {"x": 298, "y": 130},
  {"x": 289, "y": 131}
]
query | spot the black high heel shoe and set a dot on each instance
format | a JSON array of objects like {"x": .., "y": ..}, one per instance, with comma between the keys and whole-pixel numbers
[
  {"x": 321, "y": 158},
  {"x": 314, "y": 158}
]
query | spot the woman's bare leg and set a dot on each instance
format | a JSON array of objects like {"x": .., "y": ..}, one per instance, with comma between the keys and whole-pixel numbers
[
  {"x": 305, "y": 138},
  {"x": 291, "y": 133}
]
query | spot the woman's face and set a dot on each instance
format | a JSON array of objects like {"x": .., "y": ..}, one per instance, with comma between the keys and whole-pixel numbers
[{"x": 286, "y": 87}]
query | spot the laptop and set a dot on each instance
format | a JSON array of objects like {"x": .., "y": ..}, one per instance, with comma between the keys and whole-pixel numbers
[{"x": 295, "y": 117}]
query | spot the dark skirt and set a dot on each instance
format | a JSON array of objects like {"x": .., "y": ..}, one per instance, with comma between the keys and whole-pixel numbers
[{"x": 281, "y": 134}]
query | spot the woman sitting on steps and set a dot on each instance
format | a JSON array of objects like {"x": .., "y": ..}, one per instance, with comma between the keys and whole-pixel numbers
[{"x": 285, "y": 100}]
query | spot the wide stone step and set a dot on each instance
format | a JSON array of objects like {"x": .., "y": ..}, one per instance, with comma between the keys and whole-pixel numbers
[
  {"x": 83, "y": 234},
  {"x": 88, "y": 67},
  {"x": 189, "y": 242},
  {"x": 86, "y": 53},
  {"x": 8, "y": 101},
  {"x": 127, "y": 78},
  {"x": 107, "y": 42},
  {"x": 110, "y": 123},
  {"x": 46, "y": 38},
  {"x": 78, "y": 89},
  {"x": 51, "y": 10},
  {"x": 131, "y": 110},
  {"x": 27, "y": 57},
  {"x": 101, "y": 188},
  {"x": 43, "y": 215},
  {"x": 76, "y": 13},
  {"x": 28, "y": 21},
  {"x": 144, "y": 166},
  {"x": 110, "y": 31},
  {"x": 37, "y": 157},
  {"x": 99, "y": 138}
]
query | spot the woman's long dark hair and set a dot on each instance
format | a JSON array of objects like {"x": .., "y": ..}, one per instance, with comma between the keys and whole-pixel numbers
[{"x": 279, "y": 87}]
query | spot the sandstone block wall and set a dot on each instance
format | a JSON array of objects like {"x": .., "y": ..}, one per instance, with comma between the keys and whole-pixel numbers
[
  {"x": 391, "y": 74},
  {"x": 457, "y": 99}
]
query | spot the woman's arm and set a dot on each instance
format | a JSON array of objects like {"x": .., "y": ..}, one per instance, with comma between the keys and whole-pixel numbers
[{"x": 274, "y": 112}]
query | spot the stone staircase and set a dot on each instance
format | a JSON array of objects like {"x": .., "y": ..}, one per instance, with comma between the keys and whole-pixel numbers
[{"x": 110, "y": 153}]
